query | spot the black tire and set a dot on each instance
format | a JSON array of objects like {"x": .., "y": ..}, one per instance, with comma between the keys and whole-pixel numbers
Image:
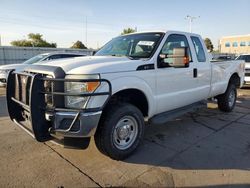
[
  {"x": 107, "y": 129},
  {"x": 225, "y": 101}
]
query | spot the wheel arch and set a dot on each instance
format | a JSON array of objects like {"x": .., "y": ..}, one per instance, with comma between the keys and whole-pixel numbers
[
  {"x": 235, "y": 79},
  {"x": 132, "y": 96}
]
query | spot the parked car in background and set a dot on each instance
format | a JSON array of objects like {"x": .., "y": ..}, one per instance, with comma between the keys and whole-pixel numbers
[
  {"x": 5, "y": 69},
  {"x": 223, "y": 58},
  {"x": 246, "y": 58}
]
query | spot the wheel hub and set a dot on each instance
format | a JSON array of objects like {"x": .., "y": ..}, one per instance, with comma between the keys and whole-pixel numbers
[
  {"x": 231, "y": 98},
  {"x": 125, "y": 132}
]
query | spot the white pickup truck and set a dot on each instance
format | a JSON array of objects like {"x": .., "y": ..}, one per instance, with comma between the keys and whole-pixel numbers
[{"x": 148, "y": 75}]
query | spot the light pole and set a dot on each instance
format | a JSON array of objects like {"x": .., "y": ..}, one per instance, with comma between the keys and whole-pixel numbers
[
  {"x": 191, "y": 19},
  {"x": 86, "y": 31}
]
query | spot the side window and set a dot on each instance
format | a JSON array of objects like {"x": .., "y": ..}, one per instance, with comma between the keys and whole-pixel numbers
[
  {"x": 248, "y": 58},
  {"x": 175, "y": 41},
  {"x": 58, "y": 56},
  {"x": 70, "y": 55},
  {"x": 201, "y": 57},
  {"x": 67, "y": 55}
]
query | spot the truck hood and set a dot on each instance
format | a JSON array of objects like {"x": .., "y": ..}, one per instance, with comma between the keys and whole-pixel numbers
[
  {"x": 12, "y": 67},
  {"x": 95, "y": 64}
]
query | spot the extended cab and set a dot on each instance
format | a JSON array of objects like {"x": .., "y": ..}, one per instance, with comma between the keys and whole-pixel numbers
[{"x": 149, "y": 75}]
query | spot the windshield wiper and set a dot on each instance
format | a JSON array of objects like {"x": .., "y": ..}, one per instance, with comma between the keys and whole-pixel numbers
[{"x": 117, "y": 55}]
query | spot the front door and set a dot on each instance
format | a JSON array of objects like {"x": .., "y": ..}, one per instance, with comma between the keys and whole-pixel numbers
[{"x": 175, "y": 86}]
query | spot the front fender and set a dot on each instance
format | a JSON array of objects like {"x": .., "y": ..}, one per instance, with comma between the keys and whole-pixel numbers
[{"x": 123, "y": 83}]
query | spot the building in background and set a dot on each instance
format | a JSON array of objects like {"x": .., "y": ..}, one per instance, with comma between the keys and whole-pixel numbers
[{"x": 235, "y": 44}]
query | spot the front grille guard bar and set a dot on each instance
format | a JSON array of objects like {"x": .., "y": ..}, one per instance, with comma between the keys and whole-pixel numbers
[
  {"x": 37, "y": 106},
  {"x": 93, "y": 94},
  {"x": 78, "y": 110}
]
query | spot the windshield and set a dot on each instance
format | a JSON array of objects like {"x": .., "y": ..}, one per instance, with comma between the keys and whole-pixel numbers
[
  {"x": 34, "y": 59},
  {"x": 140, "y": 45}
]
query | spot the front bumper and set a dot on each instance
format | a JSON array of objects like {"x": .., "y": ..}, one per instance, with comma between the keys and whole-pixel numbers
[
  {"x": 85, "y": 125},
  {"x": 28, "y": 106}
]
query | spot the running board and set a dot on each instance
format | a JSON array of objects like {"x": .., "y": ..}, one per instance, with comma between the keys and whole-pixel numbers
[{"x": 170, "y": 115}]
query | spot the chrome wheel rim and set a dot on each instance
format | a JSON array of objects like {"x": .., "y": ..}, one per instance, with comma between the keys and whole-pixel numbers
[
  {"x": 125, "y": 132},
  {"x": 231, "y": 98}
]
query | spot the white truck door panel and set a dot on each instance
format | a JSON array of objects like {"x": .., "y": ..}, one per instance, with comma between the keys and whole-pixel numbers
[
  {"x": 203, "y": 69},
  {"x": 175, "y": 86}
]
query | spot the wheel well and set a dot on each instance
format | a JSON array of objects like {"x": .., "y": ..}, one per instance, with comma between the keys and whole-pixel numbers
[
  {"x": 132, "y": 96},
  {"x": 235, "y": 79}
]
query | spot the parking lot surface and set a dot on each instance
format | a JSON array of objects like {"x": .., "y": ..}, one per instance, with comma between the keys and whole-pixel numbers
[{"x": 206, "y": 148}]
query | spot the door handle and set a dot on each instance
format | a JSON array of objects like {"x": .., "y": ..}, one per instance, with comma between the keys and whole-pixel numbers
[{"x": 195, "y": 72}]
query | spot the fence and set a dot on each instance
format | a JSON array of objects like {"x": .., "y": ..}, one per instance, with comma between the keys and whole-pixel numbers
[{"x": 10, "y": 54}]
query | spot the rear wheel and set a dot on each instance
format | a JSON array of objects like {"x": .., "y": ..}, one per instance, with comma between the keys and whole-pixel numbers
[
  {"x": 120, "y": 131},
  {"x": 226, "y": 101}
]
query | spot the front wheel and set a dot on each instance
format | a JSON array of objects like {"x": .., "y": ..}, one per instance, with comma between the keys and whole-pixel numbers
[
  {"x": 120, "y": 131},
  {"x": 226, "y": 101}
]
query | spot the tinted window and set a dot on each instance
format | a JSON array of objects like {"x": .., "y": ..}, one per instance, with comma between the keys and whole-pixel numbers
[
  {"x": 201, "y": 57},
  {"x": 235, "y": 44},
  {"x": 70, "y": 55},
  {"x": 242, "y": 43},
  {"x": 227, "y": 44},
  {"x": 246, "y": 58},
  {"x": 175, "y": 41},
  {"x": 249, "y": 43},
  {"x": 35, "y": 59},
  {"x": 58, "y": 56}
]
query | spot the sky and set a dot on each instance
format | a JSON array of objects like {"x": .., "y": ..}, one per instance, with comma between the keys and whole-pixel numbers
[{"x": 96, "y": 22}]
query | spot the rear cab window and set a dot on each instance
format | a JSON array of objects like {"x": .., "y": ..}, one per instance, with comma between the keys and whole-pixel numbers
[{"x": 199, "y": 50}]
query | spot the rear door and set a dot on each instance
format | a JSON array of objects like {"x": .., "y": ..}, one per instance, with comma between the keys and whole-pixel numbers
[{"x": 202, "y": 70}]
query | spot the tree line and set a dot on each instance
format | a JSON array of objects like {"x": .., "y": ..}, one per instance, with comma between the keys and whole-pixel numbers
[{"x": 36, "y": 40}]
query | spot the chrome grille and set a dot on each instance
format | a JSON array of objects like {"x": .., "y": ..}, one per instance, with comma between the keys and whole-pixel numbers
[
  {"x": 48, "y": 87},
  {"x": 22, "y": 88}
]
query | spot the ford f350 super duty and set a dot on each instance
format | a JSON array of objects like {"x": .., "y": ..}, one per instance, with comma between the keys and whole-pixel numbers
[{"x": 147, "y": 75}]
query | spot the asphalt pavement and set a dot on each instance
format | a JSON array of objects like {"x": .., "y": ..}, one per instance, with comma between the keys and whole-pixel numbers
[{"x": 206, "y": 148}]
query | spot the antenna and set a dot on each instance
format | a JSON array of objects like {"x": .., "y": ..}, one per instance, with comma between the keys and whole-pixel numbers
[{"x": 191, "y": 19}]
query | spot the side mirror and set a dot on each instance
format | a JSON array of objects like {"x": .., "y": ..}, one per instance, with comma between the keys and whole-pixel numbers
[{"x": 179, "y": 59}]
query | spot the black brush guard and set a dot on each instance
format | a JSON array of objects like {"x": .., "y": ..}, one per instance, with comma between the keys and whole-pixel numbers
[{"x": 27, "y": 102}]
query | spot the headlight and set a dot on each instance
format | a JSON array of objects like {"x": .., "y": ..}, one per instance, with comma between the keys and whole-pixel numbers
[
  {"x": 5, "y": 71},
  {"x": 79, "y": 87}
]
